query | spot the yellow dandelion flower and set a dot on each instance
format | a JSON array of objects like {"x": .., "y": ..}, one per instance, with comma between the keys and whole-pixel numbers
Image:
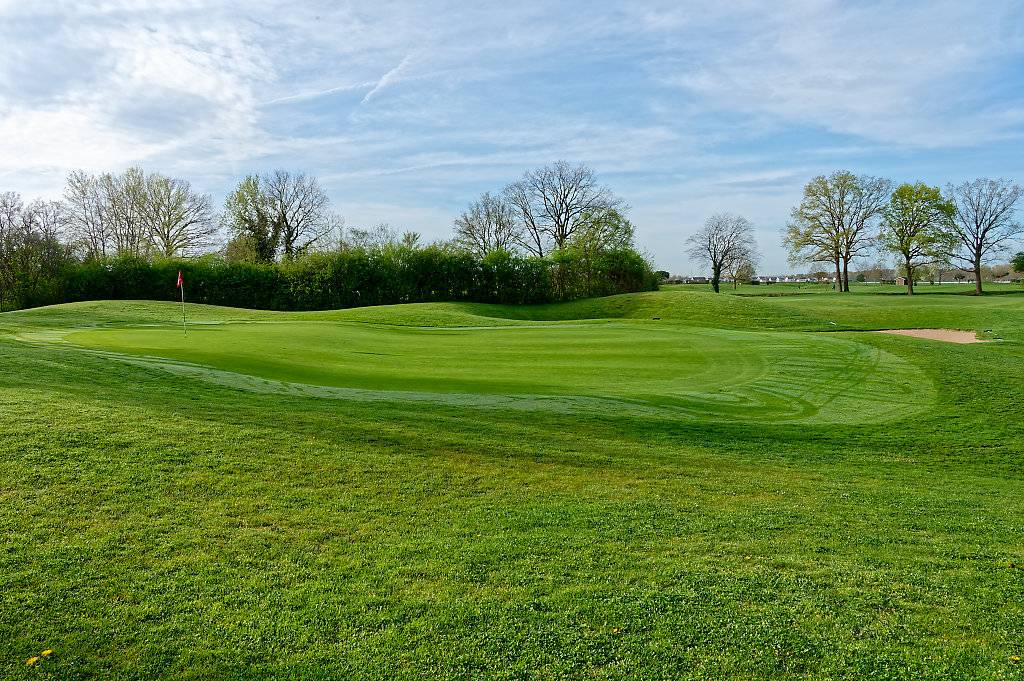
[
  {"x": 46, "y": 653},
  {"x": 1015, "y": 659},
  {"x": 31, "y": 661}
]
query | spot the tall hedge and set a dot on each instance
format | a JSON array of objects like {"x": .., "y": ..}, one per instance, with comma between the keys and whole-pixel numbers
[{"x": 393, "y": 274}]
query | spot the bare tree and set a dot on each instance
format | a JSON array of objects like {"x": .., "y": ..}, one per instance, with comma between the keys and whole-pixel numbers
[
  {"x": 532, "y": 236},
  {"x": 373, "y": 239},
  {"x": 866, "y": 203},
  {"x": 551, "y": 201},
  {"x": 835, "y": 219},
  {"x": 489, "y": 224},
  {"x": 11, "y": 207},
  {"x": 86, "y": 206},
  {"x": 724, "y": 240},
  {"x": 178, "y": 219},
  {"x": 984, "y": 224},
  {"x": 742, "y": 268},
  {"x": 298, "y": 210},
  {"x": 123, "y": 196},
  {"x": 10, "y": 211},
  {"x": 813, "y": 241}
]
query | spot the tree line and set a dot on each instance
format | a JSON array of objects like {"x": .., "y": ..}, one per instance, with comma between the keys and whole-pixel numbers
[
  {"x": 277, "y": 243},
  {"x": 844, "y": 216}
]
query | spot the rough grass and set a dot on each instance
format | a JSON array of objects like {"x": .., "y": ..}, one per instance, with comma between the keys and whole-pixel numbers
[{"x": 159, "y": 524}]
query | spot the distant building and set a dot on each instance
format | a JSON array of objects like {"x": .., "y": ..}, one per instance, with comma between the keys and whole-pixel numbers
[{"x": 790, "y": 279}]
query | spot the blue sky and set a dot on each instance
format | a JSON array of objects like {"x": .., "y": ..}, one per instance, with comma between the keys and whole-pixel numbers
[{"x": 408, "y": 110}]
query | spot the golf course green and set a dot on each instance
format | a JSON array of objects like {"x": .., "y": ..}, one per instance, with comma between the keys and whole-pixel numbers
[{"x": 672, "y": 484}]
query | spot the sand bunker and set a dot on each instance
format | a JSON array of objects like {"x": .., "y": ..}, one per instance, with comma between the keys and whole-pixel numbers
[{"x": 945, "y": 335}]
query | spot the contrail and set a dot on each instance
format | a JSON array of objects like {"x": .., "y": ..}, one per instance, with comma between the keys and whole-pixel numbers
[{"x": 387, "y": 78}]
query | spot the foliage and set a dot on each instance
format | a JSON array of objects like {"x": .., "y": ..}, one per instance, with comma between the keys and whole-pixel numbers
[
  {"x": 1018, "y": 262},
  {"x": 916, "y": 227},
  {"x": 247, "y": 217},
  {"x": 833, "y": 222},
  {"x": 393, "y": 273},
  {"x": 32, "y": 257},
  {"x": 280, "y": 214}
]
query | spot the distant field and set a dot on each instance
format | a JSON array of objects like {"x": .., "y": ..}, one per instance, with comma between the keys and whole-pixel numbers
[{"x": 655, "y": 485}]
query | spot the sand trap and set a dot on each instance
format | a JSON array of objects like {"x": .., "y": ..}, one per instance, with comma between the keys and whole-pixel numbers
[{"x": 945, "y": 335}]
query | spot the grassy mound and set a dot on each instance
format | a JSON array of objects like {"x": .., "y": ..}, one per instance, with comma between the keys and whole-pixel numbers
[{"x": 466, "y": 491}]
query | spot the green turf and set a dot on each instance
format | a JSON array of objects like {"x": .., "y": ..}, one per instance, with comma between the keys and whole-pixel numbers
[{"x": 661, "y": 485}]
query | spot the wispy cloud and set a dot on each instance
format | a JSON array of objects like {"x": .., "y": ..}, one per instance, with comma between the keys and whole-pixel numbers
[{"x": 413, "y": 108}]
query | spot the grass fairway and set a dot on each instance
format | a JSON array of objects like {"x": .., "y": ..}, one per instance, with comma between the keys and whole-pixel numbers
[{"x": 661, "y": 485}]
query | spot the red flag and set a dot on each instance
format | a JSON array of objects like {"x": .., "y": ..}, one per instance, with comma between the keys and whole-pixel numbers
[{"x": 181, "y": 280}]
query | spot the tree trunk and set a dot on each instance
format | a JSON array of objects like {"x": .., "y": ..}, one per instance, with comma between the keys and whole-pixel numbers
[
  {"x": 977, "y": 276},
  {"x": 716, "y": 277},
  {"x": 910, "y": 279},
  {"x": 839, "y": 278},
  {"x": 846, "y": 275}
]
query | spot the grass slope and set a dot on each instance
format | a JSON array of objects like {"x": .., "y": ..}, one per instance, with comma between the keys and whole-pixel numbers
[{"x": 461, "y": 491}]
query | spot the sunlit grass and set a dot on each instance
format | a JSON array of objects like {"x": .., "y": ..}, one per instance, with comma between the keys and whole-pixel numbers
[{"x": 159, "y": 524}]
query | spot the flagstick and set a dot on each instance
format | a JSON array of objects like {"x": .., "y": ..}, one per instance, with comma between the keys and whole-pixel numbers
[{"x": 183, "y": 327}]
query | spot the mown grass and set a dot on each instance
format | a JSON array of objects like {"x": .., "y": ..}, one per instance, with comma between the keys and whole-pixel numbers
[{"x": 162, "y": 526}]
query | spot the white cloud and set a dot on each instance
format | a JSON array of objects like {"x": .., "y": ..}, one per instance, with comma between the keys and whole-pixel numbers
[
  {"x": 412, "y": 108},
  {"x": 907, "y": 74}
]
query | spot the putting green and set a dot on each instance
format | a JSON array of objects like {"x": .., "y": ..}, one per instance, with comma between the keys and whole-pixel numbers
[{"x": 621, "y": 366}]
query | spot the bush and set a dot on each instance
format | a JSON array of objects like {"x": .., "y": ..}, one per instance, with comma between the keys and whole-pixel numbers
[{"x": 352, "y": 278}]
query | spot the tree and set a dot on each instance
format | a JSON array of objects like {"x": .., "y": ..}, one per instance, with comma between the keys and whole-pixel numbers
[
  {"x": 123, "y": 199},
  {"x": 489, "y": 224},
  {"x": 833, "y": 222},
  {"x": 410, "y": 239},
  {"x": 372, "y": 239},
  {"x": 240, "y": 248},
  {"x": 724, "y": 240},
  {"x": 179, "y": 220},
  {"x": 32, "y": 251},
  {"x": 298, "y": 209},
  {"x": 740, "y": 269},
  {"x": 551, "y": 201},
  {"x": 281, "y": 213},
  {"x": 1018, "y": 262},
  {"x": 927, "y": 272},
  {"x": 87, "y": 221},
  {"x": 11, "y": 207},
  {"x": 605, "y": 230},
  {"x": 915, "y": 227},
  {"x": 983, "y": 224},
  {"x": 597, "y": 234},
  {"x": 247, "y": 218}
]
